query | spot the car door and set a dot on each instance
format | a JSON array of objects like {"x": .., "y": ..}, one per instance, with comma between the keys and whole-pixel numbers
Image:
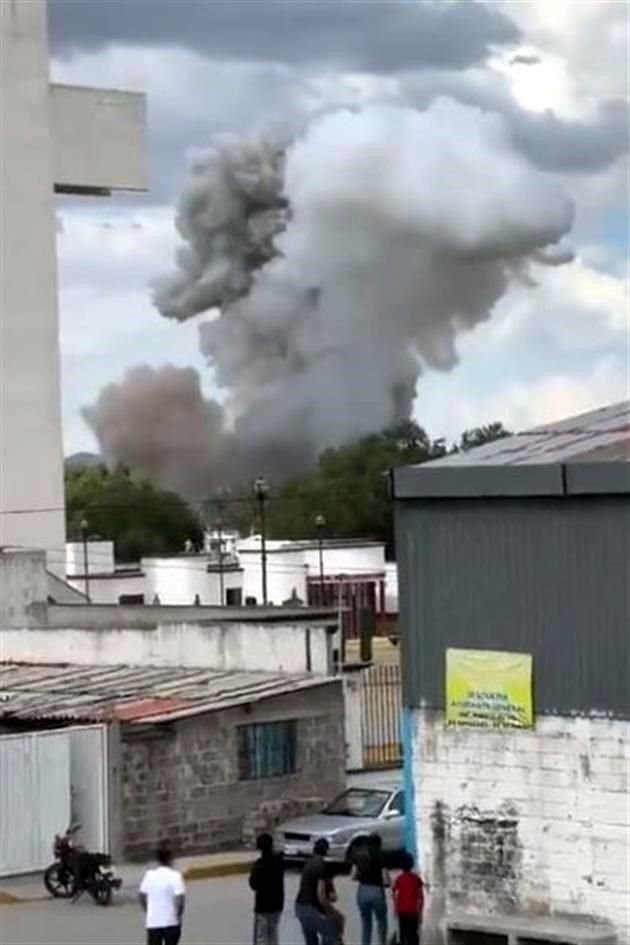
[{"x": 392, "y": 828}]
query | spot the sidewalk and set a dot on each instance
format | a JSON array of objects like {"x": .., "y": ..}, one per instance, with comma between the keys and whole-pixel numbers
[{"x": 207, "y": 866}]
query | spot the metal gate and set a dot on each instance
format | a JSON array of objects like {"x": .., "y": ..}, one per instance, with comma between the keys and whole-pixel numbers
[
  {"x": 380, "y": 700},
  {"x": 47, "y": 780},
  {"x": 89, "y": 783},
  {"x": 34, "y": 798}
]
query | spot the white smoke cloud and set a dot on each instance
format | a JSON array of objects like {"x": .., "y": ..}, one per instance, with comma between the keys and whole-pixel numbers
[{"x": 348, "y": 262}]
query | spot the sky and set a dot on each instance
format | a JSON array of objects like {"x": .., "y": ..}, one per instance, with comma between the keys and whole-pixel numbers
[{"x": 558, "y": 74}]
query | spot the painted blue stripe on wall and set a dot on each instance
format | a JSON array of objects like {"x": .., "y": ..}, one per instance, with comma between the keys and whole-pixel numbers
[{"x": 411, "y": 840}]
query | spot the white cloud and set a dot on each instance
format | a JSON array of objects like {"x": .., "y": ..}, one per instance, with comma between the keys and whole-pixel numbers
[
  {"x": 584, "y": 51},
  {"x": 548, "y": 351}
]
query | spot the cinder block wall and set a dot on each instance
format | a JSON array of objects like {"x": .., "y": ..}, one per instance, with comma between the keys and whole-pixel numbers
[
  {"x": 180, "y": 781},
  {"x": 535, "y": 820}
]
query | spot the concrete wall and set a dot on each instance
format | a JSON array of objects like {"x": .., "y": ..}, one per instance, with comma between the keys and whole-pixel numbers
[
  {"x": 534, "y": 820},
  {"x": 31, "y": 455},
  {"x": 100, "y": 557},
  {"x": 275, "y": 647},
  {"x": 23, "y": 588},
  {"x": 178, "y": 580},
  {"x": 98, "y": 138},
  {"x": 182, "y": 782},
  {"x": 108, "y": 589}
]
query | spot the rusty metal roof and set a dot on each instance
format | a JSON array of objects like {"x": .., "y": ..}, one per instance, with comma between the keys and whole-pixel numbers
[{"x": 134, "y": 694}]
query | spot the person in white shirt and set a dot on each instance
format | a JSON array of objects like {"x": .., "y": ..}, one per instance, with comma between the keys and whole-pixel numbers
[{"x": 162, "y": 897}]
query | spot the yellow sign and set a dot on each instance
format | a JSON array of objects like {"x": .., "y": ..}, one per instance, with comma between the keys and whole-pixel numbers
[{"x": 488, "y": 689}]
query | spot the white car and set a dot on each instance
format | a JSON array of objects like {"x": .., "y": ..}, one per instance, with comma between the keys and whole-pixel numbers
[{"x": 346, "y": 824}]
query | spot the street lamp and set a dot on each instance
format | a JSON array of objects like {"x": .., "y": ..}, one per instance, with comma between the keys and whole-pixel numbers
[
  {"x": 86, "y": 567},
  {"x": 320, "y": 525},
  {"x": 261, "y": 491}
]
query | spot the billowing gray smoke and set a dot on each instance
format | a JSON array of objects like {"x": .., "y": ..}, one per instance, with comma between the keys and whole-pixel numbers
[{"x": 343, "y": 265}]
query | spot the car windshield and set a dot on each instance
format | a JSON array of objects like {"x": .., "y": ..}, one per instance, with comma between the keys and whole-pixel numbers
[{"x": 358, "y": 803}]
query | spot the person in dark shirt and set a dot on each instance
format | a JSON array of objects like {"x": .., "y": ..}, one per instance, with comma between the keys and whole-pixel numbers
[
  {"x": 267, "y": 881},
  {"x": 314, "y": 906},
  {"x": 409, "y": 902},
  {"x": 370, "y": 873}
]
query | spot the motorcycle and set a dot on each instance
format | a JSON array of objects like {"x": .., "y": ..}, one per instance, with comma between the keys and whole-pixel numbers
[
  {"x": 59, "y": 877},
  {"x": 76, "y": 871}
]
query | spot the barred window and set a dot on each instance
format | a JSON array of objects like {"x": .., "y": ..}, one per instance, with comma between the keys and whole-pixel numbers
[{"x": 267, "y": 750}]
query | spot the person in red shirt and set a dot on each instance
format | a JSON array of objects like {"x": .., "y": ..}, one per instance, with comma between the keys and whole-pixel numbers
[{"x": 408, "y": 894}]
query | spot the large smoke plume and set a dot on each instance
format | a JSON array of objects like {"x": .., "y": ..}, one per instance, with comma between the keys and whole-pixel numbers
[{"x": 343, "y": 264}]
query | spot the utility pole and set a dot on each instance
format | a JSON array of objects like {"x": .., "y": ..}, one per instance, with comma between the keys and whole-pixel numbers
[
  {"x": 261, "y": 491},
  {"x": 320, "y": 525},
  {"x": 86, "y": 564}
]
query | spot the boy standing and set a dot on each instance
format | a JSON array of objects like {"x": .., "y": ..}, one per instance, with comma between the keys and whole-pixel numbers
[
  {"x": 267, "y": 881},
  {"x": 409, "y": 902},
  {"x": 162, "y": 897}
]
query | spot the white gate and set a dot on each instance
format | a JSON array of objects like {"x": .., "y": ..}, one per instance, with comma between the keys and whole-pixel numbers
[
  {"x": 34, "y": 798},
  {"x": 89, "y": 785},
  {"x": 47, "y": 780}
]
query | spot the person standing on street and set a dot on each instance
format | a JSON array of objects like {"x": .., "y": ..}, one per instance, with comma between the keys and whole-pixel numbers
[
  {"x": 267, "y": 881},
  {"x": 408, "y": 894},
  {"x": 314, "y": 906},
  {"x": 370, "y": 873},
  {"x": 163, "y": 897}
]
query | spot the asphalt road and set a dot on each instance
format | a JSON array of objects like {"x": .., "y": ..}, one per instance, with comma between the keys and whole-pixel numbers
[{"x": 219, "y": 911}]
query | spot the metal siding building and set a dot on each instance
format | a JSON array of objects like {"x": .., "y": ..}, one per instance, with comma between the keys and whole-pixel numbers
[{"x": 498, "y": 549}]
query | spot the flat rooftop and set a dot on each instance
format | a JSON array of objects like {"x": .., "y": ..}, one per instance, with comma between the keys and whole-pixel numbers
[{"x": 143, "y": 616}]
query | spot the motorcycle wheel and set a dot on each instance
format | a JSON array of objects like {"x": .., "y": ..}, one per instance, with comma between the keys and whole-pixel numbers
[
  {"x": 102, "y": 892},
  {"x": 59, "y": 881}
]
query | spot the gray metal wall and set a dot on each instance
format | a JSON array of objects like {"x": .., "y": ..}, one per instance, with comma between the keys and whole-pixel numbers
[{"x": 550, "y": 577}]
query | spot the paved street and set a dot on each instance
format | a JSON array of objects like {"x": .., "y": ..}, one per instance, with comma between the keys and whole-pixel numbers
[{"x": 219, "y": 911}]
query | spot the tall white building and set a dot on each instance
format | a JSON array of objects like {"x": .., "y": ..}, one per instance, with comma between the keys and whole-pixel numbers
[{"x": 54, "y": 139}]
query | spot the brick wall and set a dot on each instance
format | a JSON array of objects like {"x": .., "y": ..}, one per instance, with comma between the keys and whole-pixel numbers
[
  {"x": 534, "y": 820},
  {"x": 180, "y": 781}
]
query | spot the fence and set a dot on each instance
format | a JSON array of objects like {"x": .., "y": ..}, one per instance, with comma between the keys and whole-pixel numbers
[{"x": 380, "y": 708}]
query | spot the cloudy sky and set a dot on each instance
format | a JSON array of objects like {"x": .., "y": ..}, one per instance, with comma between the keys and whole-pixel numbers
[{"x": 557, "y": 72}]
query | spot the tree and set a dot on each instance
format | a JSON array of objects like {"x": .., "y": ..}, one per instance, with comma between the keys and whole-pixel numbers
[
  {"x": 138, "y": 517},
  {"x": 350, "y": 487},
  {"x": 480, "y": 435}
]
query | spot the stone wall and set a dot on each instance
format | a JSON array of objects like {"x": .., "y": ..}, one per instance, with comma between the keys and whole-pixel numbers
[
  {"x": 526, "y": 820},
  {"x": 180, "y": 780}
]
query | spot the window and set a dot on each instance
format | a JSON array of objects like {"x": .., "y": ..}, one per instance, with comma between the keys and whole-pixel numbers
[
  {"x": 131, "y": 599},
  {"x": 233, "y": 597},
  {"x": 397, "y": 804},
  {"x": 267, "y": 750}
]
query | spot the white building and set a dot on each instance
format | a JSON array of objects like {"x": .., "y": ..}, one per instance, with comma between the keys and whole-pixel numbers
[
  {"x": 187, "y": 578},
  {"x": 233, "y": 575},
  {"x": 55, "y": 139},
  {"x": 292, "y": 564},
  {"x": 192, "y": 578},
  {"x": 91, "y": 569}
]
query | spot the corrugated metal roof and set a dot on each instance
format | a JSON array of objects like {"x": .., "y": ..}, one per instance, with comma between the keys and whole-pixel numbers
[
  {"x": 600, "y": 435},
  {"x": 135, "y": 694}
]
